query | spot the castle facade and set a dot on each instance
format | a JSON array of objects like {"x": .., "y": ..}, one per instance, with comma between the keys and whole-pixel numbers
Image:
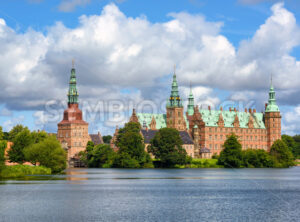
[{"x": 208, "y": 129}]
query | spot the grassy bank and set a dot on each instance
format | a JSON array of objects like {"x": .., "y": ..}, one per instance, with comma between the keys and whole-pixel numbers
[
  {"x": 202, "y": 163},
  {"x": 23, "y": 170}
]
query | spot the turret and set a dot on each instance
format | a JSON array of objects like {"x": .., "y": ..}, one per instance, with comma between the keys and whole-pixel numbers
[
  {"x": 174, "y": 100},
  {"x": 190, "y": 109},
  {"x": 272, "y": 118},
  {"x": 72, "y": 94}
]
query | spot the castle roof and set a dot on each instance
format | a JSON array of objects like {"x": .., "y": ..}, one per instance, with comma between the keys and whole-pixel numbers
[
  {"x": 204, "y": 150},
  {"x": 149, "y": 134},
  {"x": 210, "y": 118},
  {"x": 96, "y": 138}
]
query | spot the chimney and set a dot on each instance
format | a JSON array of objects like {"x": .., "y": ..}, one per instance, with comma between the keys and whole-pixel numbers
[
  {"x": 234, "y": 109},
  {"x": 230, "y": 109},
  {"x": 209, "y": 108},
  {"x": 246, "y": 110},
  {"x": 254, "y": 110},
  {"x": 250, "y": 111},
  {"x": 221, "y": 108},
  {"x": 266, "y": 104}
]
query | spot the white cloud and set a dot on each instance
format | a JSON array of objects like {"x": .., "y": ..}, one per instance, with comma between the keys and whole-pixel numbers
[
  {"x": 9, "y": 124},
  {"x": 114, "y": 52}
]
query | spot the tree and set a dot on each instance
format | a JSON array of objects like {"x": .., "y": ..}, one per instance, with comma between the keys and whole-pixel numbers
[
  {"x": 257, "y": 158},
  {"x": 296, "y": 151},
  {"x": 231, "y": 156},
  {"x": 48, "y": 153},
  {"x": 131, "y": 145},
  {"x": 1, "y": 133},
  {"x": 22, "y": 140},
  {"x": 15, "y": 130},
  {"x": 102, "y": 156},
  {"x": 167, "y": 147},
  {"x": 39, "y": 136},
  {"x": 283, "y": 156},
  {"x": 106, "y": 139},
  {"x": 3, "y": 145}
]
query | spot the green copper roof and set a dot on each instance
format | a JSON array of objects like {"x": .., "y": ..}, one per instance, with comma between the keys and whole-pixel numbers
[
  {"x": 72, "y": 94},
  {"x": 210, "y": 118},
  {"x": 272, "y": 105},
  {"x": 190, "y": 108},
  {"x": 174, "y": 100}
]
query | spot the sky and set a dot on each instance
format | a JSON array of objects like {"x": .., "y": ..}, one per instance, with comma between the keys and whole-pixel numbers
[{"x": 125, "y": 52}]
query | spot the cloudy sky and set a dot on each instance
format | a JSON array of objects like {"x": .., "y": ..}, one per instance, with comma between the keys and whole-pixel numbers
[{"x": 125, "y": 51}]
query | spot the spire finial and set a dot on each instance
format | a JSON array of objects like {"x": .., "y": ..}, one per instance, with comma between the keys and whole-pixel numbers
[
  {"x": 73, "y": 63},
  {"x": 271, "y": 79},
  {"x": 174, "y": 69}
]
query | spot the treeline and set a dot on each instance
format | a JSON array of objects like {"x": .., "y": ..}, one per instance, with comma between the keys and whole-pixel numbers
[
  {"x": 38, "y": 148},
  {"x": 232, "y": 156},
  {"x": 166, "y": 147}
]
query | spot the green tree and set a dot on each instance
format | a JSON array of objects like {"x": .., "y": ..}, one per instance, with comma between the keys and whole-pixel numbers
[
  {"x": 106, "y": 139},
  {"x": 297, "y": 146},
  {"x": 130, "y": 142},
  {"x": 48, "y": 153},
  {"x": 3, "y": 145},
  {"x": 283, "y": 156},
  {"x": 38, "y": 136},
  {"x": 167, "y": 147},
  {"x": 15, "y": 130},
  {"x": 1, "y": 133},
  {"x": 231, "y": 156},
  {"x": 102, "y": 156},
  {"x": 257, "y": 158},
  {"x": 22, "y": 140}
]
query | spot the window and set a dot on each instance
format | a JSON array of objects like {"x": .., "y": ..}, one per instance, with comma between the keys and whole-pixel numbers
[
  {"x": 179, "y": 113},
  {"x": 216, "y": 146},
  {"x": 209, "y": 129},
  {"x": 210, "y": 146},
  {"x": 210, "y": 137},
  {"x": 216, "y": 137}
]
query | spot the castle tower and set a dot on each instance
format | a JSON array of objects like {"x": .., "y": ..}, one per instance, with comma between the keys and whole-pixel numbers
[
  {"x": 175, "y": 115},
  {"x": 272, "y": 119},
  {"x": 190, "y": 107},
  {"x": 73, "y": 130}
]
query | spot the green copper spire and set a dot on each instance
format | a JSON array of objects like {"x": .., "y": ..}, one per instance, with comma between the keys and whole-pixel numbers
[
  {"x": 190, "y": 108},
  {"x": 272, "y": 105},
  {"x": 72, "y": 94},
  {"x": 174, "y": 100}
]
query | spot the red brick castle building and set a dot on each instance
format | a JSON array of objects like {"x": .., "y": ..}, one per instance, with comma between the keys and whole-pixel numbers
[{"x": 208, "y": 128}]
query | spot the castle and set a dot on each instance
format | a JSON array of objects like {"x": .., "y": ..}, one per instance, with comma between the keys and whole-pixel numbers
[
  {"x": 73, "y": 131},
  {"x": 203, "y": 131},
  {"x": 209, "y": 128}
]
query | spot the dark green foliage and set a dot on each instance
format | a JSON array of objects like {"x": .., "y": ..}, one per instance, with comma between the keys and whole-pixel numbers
[
  {"x": 167, "y": 147},
  {"x": 257, "y": 159},
  {"x": 5, "y": 136},
  {"x": 131, "y": 148},
  {"x": 22, "y": 140},
  {"x": 283, "y": 156},
  {"x": 102, "y": 156},
  {"x": 3, "y": 145},
  {"x": 15, "y": 130},
  {"x": 1, "y": 133},
  {"x": 231, "y": 156},
  {"x": 106, "y": 139},
  {"x": 38, "y": 136},
  {"x": 296, "y": 151},
  {"x": 48, "y": 153}
]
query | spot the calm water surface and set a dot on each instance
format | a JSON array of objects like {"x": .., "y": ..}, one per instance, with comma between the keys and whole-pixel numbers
[{"x": 154, "y": 195}]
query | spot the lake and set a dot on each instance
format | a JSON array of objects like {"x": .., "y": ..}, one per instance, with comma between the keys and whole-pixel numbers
[{"x": 154, "y": 195}]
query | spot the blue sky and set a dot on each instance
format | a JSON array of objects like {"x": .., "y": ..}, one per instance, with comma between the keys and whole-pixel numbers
[{"x": 227, "y": 49}]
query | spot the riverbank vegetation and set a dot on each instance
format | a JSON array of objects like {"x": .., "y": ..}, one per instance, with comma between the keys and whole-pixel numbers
[
  {"x": 18, "y": 171},
  {"x": 232, "y": 156},
  {"x": 43, "y": 151}
]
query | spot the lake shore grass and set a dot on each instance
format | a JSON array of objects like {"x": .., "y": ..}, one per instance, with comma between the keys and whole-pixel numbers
[
  {"x": 202, "y": 163},
  {"x": 18, "y": 171}
]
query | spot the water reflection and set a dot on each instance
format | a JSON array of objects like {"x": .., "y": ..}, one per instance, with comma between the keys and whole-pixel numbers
[{"x": 154, "y": 195}]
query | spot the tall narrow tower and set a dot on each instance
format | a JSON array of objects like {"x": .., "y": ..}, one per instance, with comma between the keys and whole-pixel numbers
[
  {"x": 175, "y": 118},
  {"x": 190, "y": 107},
  {"x": 272, "y": 118},
  {"x": 73, "y": 130}
]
